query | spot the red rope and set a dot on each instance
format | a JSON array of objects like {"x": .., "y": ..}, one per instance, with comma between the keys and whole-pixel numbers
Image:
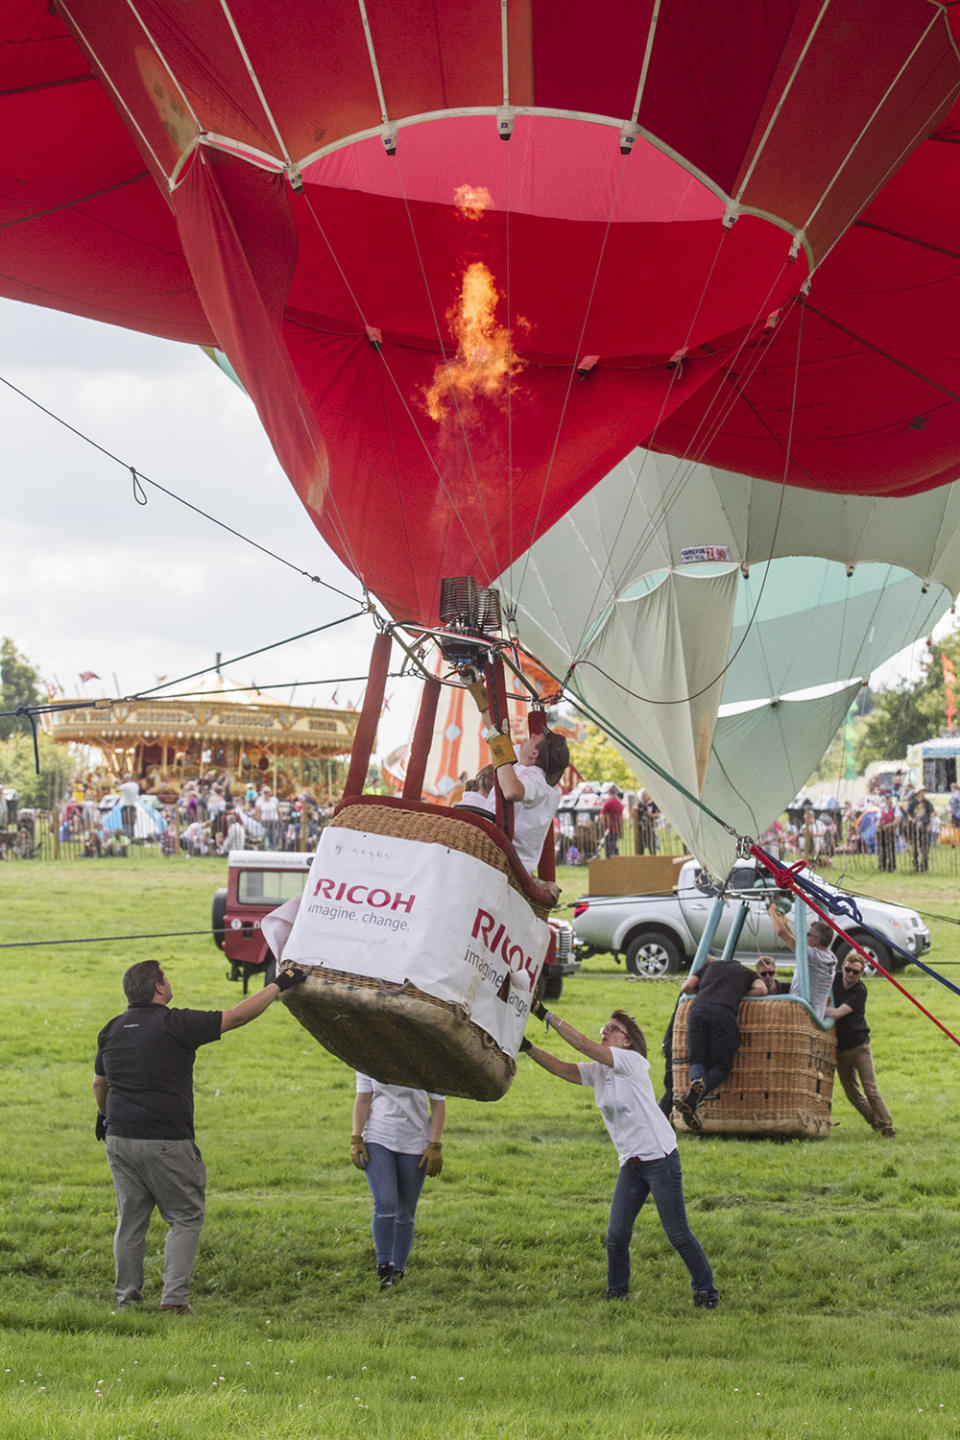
[{"x": 784, "y": 876}]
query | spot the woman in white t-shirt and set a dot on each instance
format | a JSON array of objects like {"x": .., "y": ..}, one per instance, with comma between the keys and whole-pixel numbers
[
  {"x": 396, "y": 1143},
  {"x": 644, "y": 1140}
]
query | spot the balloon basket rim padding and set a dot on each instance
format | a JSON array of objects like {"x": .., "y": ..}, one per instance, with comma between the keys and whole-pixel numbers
[
  {"x": 399, "y": 1035},
  {"x": 781, "y": 1083},
  {"x": 434, "y": 824}
]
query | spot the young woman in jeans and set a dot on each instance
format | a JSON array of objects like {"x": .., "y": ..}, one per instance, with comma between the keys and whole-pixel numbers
[
  {"x": 396, "y": 1143},
  {"x": 645, "y": 1143}
]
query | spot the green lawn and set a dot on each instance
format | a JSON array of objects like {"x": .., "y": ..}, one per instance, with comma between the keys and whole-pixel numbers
[{"x": 838, "y": 1261}]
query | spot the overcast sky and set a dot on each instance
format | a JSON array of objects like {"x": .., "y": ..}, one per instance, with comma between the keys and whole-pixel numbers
[{"x": 90, "y": 580}]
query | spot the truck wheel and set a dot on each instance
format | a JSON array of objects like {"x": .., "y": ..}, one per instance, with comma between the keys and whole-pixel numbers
[
  {"x": 874, "y": 948},
  {"x": 653, "y": 954},
  {"x": 551, "y": 987},
  {"x": 219, "y": 915}
]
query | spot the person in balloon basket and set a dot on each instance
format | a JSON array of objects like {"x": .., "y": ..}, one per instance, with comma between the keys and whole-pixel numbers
[
  {"x": 397, "y": 1143},
  {"x": 649, "y": 1162},
  {"x": 821, "y": 961},
  {"x": 529, "y": 778},
  {"x": 713, "y": 1031},
  {"x": 143, "y": 1086},
  {"x": 766, "y": 968},
  {"x": 854, "y": 1056}
]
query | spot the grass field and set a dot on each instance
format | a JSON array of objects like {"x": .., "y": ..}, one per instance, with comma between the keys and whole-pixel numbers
[{"x": 838, "y": 1261}]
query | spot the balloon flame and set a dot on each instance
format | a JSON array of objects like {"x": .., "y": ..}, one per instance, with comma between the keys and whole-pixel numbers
[
  {"x": 485, "y": 360},
  {"x": 472, "y": 200}
]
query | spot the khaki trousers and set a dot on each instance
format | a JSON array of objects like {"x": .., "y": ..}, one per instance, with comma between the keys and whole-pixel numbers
[
  {"x": 855, "y": 1066},
  {"x": 167, "y": 1175}
]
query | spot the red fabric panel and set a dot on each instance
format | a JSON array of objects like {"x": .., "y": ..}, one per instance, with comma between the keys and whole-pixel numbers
[
  {"x": 236, "y": 228},
  {"x": 806, "y": 163},
  {"x": 710, "y": 68},
  {"x": 443, "y": 495},
  {"x": 878, "y": 367},
  {"x": 436, "y": 57}
]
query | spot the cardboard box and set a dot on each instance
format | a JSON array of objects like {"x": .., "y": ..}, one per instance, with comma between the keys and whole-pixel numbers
[{"x": 635, "y": 874}]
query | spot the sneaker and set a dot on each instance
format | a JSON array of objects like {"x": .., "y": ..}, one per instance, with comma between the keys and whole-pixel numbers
[
  {"x": 179, "y": 1309},
  {"x": 706, "y": 1299},
  {"x": 688, "y": 1105},
  {"x": 386, "y": 1274}
]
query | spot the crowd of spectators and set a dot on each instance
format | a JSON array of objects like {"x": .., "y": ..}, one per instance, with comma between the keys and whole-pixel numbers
[
  {"x": 104, "y": 815},
  {"x": 892, "y": 820}
]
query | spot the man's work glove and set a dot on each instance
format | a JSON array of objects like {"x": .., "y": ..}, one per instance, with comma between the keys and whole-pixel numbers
[
  {"x": 477, "y": 687},
  {"x": 525, "y": 1044},
  {"x": 358, "y": 1152},
  {"x": 538, "y": 1008},
  {"x": 432, "y": 1157},
  {"x": 501, "y": 747},
  {"x": 101, "y": 1128},
  {"x": 288, "y": 977}
]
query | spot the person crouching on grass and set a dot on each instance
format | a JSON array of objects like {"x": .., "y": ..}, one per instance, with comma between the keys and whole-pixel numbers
[{"x": 646, "y": 1145}]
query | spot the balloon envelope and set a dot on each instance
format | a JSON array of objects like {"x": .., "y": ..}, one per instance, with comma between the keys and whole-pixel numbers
[{"x": 311, "y": 193}]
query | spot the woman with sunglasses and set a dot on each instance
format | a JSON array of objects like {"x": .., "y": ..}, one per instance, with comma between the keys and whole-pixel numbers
[{"x": 619, "y": 1072}]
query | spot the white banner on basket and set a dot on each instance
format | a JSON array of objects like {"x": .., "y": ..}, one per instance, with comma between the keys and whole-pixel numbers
[{"x": 402, "y": 910}]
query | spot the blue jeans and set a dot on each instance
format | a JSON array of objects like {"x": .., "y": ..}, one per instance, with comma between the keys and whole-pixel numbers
[
  {"x": 713, "y": 1039},
  {"x": 662, "y": 1178},
  {"x": 395, "y": 1182}
]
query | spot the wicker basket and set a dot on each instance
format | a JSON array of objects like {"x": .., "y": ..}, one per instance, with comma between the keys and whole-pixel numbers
[
  {"x": 397, "y": 1033},
  {"x": 782, "y": 1078}
]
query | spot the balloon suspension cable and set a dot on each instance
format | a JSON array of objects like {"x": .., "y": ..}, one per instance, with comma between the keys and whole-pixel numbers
[
  {"x": 788, "y": 877},
  {"x": 139, "y": 479}
]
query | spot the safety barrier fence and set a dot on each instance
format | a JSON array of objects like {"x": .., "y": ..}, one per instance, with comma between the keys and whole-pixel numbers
[{"x": 47, "y": 835}]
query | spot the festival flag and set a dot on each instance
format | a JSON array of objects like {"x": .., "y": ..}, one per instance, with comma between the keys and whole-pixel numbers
[
  {"x": 950, "y": 689},
  {"x": 86, "y": 675}
]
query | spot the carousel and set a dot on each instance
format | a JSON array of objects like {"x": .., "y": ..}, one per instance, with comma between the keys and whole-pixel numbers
[{"x": 220, "y": 726}]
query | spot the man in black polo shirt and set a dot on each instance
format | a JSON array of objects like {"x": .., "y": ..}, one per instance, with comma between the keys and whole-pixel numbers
[
  {"x": 143, "y": 1086},
  {"x": 854, "y": 1056},
  {"x": 713, "y": 1033}
]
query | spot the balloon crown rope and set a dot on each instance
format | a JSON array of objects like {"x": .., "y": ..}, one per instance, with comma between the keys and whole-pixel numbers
[{"x": 422, "y": 933}]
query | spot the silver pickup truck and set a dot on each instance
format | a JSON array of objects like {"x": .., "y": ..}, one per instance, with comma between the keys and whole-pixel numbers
[{"x": 658, "y": 934}]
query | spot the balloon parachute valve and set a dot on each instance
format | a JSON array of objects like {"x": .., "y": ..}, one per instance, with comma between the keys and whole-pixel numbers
[
  {"x": 506, "y": 116},
  {"x": 388, "y": 134},
  {"x": 629, "y": 134}
]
